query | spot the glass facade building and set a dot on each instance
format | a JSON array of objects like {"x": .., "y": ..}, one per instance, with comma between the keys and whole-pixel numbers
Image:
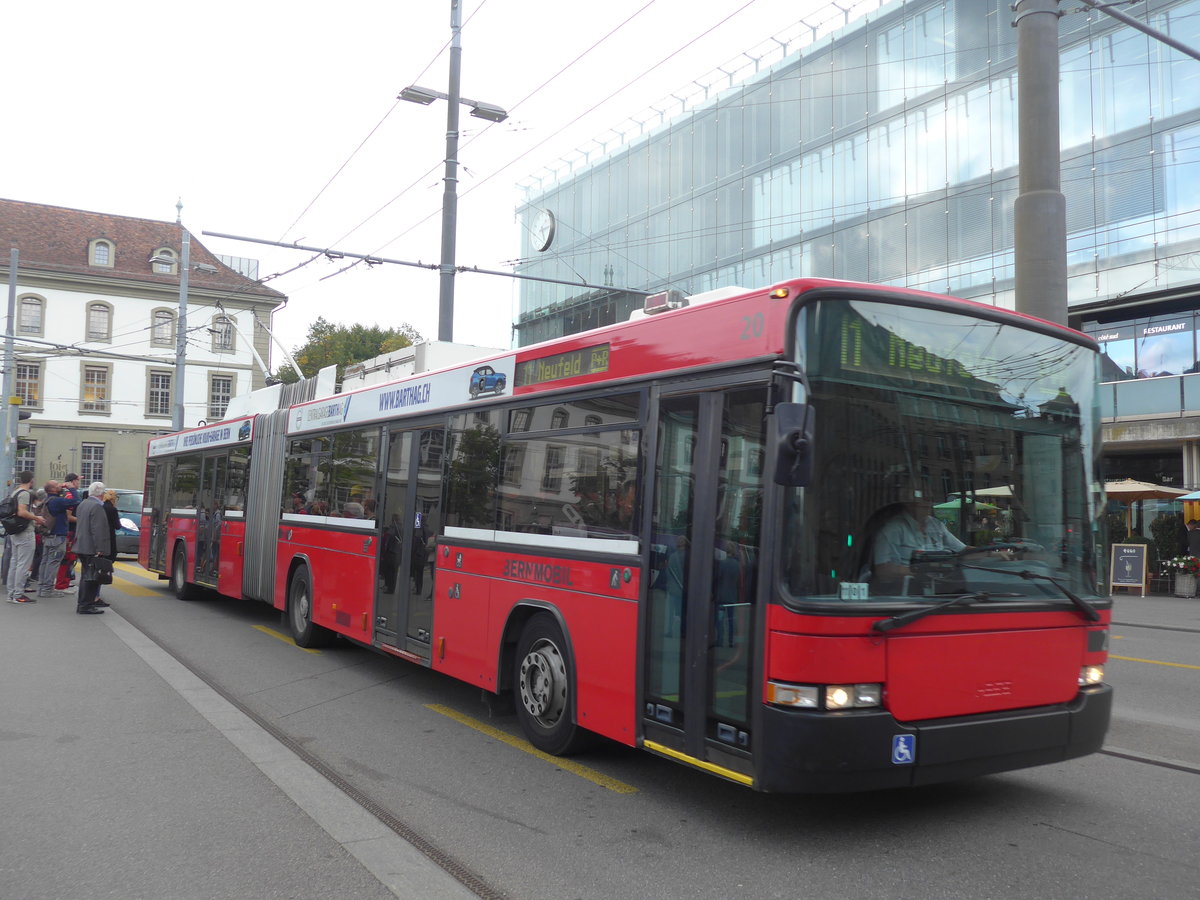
[{"x": 884, "y": 149}]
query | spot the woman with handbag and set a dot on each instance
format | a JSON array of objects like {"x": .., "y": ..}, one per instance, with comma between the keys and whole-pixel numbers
[
  {"x": 93, "y": 542},
  {"x": 114, "y": 522}
]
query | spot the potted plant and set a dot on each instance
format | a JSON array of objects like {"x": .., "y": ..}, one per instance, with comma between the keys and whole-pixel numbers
[{"x": 1185, "y": 569}]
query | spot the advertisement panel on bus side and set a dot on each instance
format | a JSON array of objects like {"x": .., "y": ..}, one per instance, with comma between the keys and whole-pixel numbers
[
  {"x": 422, "y": 393},
  {"x": 223, "y": 434}
]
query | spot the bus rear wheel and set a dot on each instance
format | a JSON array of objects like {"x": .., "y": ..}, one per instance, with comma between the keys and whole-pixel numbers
[
  {"x": 545, "y": 689},
  {"x": 305, "y": 632},
  {"x": 179, "y": 582}
]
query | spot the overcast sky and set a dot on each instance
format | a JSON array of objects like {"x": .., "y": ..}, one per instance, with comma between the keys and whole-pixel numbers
[{"x": 247, "y": 110}]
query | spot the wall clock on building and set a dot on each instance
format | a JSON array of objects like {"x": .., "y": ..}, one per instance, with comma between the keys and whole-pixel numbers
[{"x": 543, "y": 230}]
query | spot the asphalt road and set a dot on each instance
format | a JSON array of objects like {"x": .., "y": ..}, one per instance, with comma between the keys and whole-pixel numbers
[{"x": 618, "y": 822}]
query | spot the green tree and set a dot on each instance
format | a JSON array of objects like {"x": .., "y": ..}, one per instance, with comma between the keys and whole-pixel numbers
[{"x": 329, "y": 344}]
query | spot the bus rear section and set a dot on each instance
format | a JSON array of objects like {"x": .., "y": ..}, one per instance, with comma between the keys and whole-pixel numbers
[{"x": 194, "y": 529}]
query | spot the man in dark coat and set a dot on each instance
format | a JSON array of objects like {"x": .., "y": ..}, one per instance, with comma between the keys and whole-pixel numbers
[{"x": 92, "y": 538}]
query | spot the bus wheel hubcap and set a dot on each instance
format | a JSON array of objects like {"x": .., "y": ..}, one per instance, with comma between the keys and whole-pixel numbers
[{"x": 544, "y": 683}]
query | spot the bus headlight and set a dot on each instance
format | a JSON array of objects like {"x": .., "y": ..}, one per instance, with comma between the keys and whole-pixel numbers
[
  {"x": 830, "y": 696},
  {"x": 1091, "y": 675},
  {"x": 856, "y": 696}
]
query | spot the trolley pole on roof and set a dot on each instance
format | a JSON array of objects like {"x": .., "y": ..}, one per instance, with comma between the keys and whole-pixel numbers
[{"x": 1040, "y": 211}]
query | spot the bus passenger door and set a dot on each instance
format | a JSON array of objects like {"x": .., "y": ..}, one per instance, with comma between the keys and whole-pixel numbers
[
  {"x": 158, "y": 501},
  {"x": 210, "y": 512},
  {"x": 706, "y": 522},
  {"x": 406, "y": 518}
]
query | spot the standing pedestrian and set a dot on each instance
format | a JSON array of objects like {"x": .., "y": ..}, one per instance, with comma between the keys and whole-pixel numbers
[
  {"x": 21, "y": 540},
  {"x": 38, "y": 508},
  {"x": 114, "y": 522},
  {"x": 1193, "y": 538},
  {"x": 54, "y": 544},
  {"x": 91, "y": 539},
  {"x": 66, "y": 570}
]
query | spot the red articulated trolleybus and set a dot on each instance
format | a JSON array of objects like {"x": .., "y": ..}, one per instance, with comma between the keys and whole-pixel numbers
[{"x": 818, "y": 537}]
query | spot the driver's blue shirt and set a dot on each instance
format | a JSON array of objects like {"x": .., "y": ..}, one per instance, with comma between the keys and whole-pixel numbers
[{"x": 902, "y": 535}]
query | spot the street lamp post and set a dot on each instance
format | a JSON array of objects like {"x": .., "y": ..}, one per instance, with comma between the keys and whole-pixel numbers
[{"x": 489, "y": 111}]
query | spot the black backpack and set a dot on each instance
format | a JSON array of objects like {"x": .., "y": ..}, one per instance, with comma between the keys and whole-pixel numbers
[{"x": 13, "y": 524}]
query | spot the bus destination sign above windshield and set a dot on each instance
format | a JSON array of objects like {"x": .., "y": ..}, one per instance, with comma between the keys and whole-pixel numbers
[
  {"x": 585, "y": 361},
  {"x": 873, "y": 348}
]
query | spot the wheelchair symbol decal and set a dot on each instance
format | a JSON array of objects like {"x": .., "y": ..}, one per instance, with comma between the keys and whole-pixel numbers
[{"x": 904, "y": 749}]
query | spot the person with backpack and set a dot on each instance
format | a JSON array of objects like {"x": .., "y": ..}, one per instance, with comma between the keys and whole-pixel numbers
[{"x": 17, "y": 519}]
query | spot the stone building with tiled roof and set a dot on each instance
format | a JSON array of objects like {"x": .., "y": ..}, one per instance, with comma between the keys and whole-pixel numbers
[{"x": 94, "y": 329}]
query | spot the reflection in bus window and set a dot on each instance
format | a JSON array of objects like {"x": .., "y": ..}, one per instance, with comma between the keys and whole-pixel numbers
[
  {"x": 574, "y": 487},
  {"x": 187, "y": 481},
  {"x": 474, "y": 464},
  {"x": 332, "y": 475}
]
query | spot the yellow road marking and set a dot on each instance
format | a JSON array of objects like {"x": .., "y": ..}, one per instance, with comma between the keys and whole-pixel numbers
[
  {"x": 283, "y": 637},
  {"x": 591, "y": 775},
  {"x": 136, "y": 590},
  {"x": 135, "y": 569},
  {"x": 1153, "y": 662}
]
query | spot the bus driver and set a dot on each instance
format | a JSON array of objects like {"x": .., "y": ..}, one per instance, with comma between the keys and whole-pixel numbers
[{"x": 912, "y": 528}]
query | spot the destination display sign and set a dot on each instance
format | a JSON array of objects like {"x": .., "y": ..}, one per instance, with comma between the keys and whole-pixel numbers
[{"x": 585, "y": 361}]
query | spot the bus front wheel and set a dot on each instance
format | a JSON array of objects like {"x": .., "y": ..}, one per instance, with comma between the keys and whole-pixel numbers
[
  {"x": 305, "y": 632},
  {"x": 545, "y": 689}
]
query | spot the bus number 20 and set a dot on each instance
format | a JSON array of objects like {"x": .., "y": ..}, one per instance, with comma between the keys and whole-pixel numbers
[{"x": 752, "y": 327}]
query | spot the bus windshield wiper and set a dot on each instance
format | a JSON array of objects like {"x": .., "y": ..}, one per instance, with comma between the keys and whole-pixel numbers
[
  {"x": 914, "y": 614},
  {"x": 1082, "y": 605}
]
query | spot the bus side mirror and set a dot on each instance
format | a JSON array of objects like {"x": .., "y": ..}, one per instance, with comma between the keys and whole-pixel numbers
[{"x": 794, "y": 425}]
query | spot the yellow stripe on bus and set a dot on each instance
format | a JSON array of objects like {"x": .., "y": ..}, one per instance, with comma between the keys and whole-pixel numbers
[
  {"x": 566, "y": 765},
  {"x": 663, "y": 750}
]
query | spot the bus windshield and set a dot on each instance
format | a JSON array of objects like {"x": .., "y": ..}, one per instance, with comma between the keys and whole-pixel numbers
[{"x": 953, "y": 454}]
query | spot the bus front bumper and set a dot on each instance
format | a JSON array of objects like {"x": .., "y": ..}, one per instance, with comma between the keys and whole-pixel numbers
[{"x": 804, "y": 751}]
